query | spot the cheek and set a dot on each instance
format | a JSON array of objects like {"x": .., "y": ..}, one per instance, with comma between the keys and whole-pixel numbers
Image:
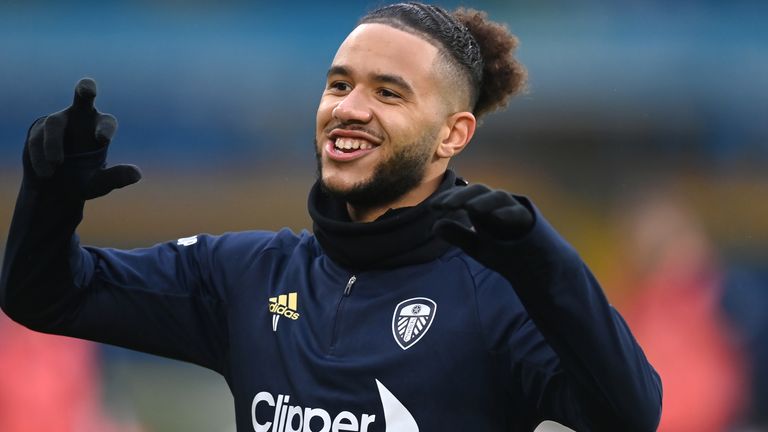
[
  {"x": 324, "y": 114},
  {"x": 322, "y": 120},
  {"x": 409, "y": 130}
]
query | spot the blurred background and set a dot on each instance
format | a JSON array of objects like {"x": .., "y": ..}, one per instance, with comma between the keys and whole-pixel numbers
[{"x": 642, "y": 137}]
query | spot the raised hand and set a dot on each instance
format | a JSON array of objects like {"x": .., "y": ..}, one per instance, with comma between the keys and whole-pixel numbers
[
  {"x": 496, "y": 217},
  {"x": 77, "y": 130}
]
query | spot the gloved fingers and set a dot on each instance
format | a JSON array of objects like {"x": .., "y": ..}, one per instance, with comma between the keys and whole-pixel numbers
[
  {"x": 35, "y": 149},
  {"x": 498, "y": 214},
  {"x": 53, "y": 143},
  {"x": 82, "y": 117},
  {"x": 507, "y": 222},
  {"x": 489, "y": 201},
  {"x": 457, "y": 234},
  {"x": 104, "y": 181},
  {"x": 85, "y": 93},
  {"x": 510, "y": 222},
  {"x": 518, "y": 213},
  {"x": 482, "y": 207},
  {"x": 106, "y": 125},
  {"x": 455, "y": 198}
]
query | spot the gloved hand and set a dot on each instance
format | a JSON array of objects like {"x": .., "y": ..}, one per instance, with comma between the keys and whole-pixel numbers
[
  {"x": 77, "y": 130},
  {"x": 497, "y": 219}
]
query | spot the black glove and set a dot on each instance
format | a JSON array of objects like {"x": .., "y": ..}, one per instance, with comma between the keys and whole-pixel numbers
[
  {"x": 497, "y": 219},
  {"x": 74, "y": 131}
]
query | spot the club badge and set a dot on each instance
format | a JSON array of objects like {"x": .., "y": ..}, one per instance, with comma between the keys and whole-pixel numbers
[{"x": 411, "y": 320}]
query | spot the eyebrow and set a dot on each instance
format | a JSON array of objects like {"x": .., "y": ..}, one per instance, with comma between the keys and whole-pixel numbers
[{"x": 383, "y": 78}]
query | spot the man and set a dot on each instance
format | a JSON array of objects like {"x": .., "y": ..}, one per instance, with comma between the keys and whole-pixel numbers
[{"x": 419, "y": 303}]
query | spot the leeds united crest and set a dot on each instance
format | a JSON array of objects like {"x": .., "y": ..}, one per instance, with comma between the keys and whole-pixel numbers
[{"x": 411, "y": 320}]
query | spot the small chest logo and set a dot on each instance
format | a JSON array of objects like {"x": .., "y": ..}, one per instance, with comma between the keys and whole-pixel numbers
[
  {"x": 411, "y": 320},
  {"x": 286, "y": 305},
  {"x": 187, "y": 241}
]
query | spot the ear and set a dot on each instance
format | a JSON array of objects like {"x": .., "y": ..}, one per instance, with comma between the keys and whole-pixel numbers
[{"x": 457, "y": 132}]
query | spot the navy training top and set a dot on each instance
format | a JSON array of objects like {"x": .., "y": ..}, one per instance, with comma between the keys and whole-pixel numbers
[{"x": 323, "y": 333}]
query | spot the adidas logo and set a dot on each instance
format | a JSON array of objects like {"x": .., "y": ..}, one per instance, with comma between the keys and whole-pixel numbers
[{"x": 284, "y": 305}]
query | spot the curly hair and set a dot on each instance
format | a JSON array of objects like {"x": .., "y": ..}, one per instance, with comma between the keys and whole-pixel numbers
[{"x": 479, "y": 50}]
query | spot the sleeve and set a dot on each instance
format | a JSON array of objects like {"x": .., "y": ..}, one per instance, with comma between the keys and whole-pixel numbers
[
  {"x": 569, "y": 353},
  {"x": 161, "y": 300}
]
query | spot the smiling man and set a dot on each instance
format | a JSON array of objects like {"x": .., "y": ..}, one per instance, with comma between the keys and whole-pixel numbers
[
  {"x": 390, "y": 119},
  {"x": 419, "y": 303}
]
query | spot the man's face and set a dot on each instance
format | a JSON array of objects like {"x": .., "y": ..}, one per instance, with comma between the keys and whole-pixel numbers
[{"x": 379, "y": 116}]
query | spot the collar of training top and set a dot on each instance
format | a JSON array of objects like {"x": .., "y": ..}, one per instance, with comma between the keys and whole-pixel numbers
[{"x": 399, "y": 237}]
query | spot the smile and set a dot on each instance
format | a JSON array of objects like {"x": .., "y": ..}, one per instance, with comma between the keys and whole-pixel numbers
[
  {"x": 345, "y": 149},
  {"x": 346, "y": 145},
  {"x": 351, "y": 144}
]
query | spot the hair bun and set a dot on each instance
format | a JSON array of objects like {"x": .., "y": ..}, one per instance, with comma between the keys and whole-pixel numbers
[{"x": 503, "y": 76}]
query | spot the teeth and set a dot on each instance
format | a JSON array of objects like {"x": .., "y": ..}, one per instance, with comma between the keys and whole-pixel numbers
[{"x": 352, "y": 143}]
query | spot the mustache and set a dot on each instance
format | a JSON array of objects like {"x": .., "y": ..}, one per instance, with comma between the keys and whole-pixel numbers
[{"x": 354, "y": 127}]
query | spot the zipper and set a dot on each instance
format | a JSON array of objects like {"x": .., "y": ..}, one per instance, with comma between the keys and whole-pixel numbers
[
  {"x": 339, "y": 312},
  {"x": 348, "y": 289}
]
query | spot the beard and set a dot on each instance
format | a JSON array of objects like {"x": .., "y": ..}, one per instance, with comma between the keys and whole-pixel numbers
[{"x": 391, "y": 179}]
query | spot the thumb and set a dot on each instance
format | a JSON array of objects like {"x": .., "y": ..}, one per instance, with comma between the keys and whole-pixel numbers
[
  {"x": 104, "y": 181},
  {"x": 457, "y": 234},
  {"x": 106, "y": 125}
]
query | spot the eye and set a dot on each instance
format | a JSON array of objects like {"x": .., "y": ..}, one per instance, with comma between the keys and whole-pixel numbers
[
  {"x": 341, "y": 86},
  {"x": 389, "y": 94}
]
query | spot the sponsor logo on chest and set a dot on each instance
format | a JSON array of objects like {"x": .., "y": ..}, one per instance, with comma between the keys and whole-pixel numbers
[{"x": 295, "y": 418}]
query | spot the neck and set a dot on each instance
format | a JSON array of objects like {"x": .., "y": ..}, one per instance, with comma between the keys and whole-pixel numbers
[{"x": 412, "y": 198}]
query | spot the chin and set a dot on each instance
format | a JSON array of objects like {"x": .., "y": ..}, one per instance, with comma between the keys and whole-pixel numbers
[
  {"x": 344, "y": 176},
  {"x": 340, "y": 182}
]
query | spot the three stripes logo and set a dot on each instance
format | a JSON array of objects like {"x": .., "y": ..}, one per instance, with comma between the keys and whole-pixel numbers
[
  {"x": 284, "y": 305},
  {"x": 412, "y": 319}
]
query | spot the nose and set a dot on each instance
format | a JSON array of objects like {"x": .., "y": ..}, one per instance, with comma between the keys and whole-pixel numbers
[{"x": 353, "y": 109}]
